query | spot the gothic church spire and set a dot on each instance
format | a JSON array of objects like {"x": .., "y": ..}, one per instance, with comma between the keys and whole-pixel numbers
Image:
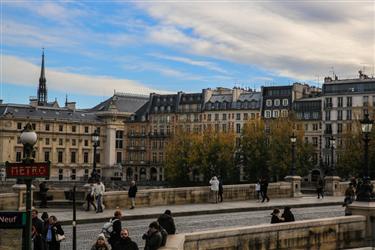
[{"x": 42, "y": 89}]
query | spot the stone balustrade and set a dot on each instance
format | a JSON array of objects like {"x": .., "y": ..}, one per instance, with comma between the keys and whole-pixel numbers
[{"x": 331, "y": 233}]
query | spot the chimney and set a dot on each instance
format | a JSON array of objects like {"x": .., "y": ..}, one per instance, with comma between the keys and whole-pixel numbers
[
  {"x": 71, "y": 105},
  {"x": 33, "y": 101}
]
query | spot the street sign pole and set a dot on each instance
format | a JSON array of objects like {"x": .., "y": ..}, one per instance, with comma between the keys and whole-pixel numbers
[{"x": 28, "y": 214}]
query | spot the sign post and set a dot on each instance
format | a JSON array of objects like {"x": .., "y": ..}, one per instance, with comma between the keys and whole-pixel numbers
[{"x": 28, "y": 170}]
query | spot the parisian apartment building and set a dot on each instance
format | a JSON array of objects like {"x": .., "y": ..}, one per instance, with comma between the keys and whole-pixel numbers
[{"x": 135, "y": 129}]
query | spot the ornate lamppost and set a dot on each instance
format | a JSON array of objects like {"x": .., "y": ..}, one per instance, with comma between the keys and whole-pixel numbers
[
  {"x": 28, "y": 139},
  {"x": 293, "y": 140},
  {"x": 365, "y": 189},
  {"x": 332, "y": 142},
  {"x": 95, "y": 141}
]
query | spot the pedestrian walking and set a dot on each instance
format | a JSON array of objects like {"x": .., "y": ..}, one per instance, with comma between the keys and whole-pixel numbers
[
  {"x": 221, "y": 190},
  {"x": 90, "y": 198},
  {"x": 53, "y": 234},
  {"x": 125, "y": 242},
  {"x": 99, "y": 192},
  {"x": 320, "y": 188},
  {"x": 257, "y": 190},
  {"x": 132, "y": 193},
  {"x": 264, "y": 189},
  {"x": 115, "y": 234},
  {"x": 43, "y": 189},
  {"x": 349, "y": 195},
  {"x": 287, "y": 215},
  {"x": 153, "y": 237},
  {"x": 276, "y": 216},
  {"x": 37, "y": 231},
  {"x": 166, "y": 221},
  {"x": 101, "y": 243},
  {"x": 214, "y": 188}
]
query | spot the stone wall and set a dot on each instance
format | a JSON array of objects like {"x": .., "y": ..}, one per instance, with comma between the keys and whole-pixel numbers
[
  {"x": 191, "y": 195},
  {"x": 11, "y": 239},
  {"x": 9, "y": 201},
  {"x": 331, "y": 233}
]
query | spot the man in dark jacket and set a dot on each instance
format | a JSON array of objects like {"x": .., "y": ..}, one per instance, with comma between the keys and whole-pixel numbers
[
  {"x": 116, "y": 228},
  {"x": 132, "y": 193},
  {"x": 153, "y": 237},
  {"x": 264, "y": 189},
  {"x": 166, "y": 221},
  {"x": 125, "y": 242},
  {"x": 37, "y": 231}
]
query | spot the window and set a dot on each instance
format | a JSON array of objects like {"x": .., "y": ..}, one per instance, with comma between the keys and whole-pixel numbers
[
  {"x": 315, "y": 115},
  {"x": 61, "y": 128},
  {"x": 245, "y": 116},
  {"x": 339, "y": 128},
  {"x": 328, "y": 129},
  {"x": 315, "y": 141},
  {"x": 85, "y": 157},
  {"x": 47, "y": 141},
  {"x": 19, "y": 125},
  {"x": 86, "y": 129},
  {"x": 365, "y": 101},
  {"x": 46, "y": 156},
  {"x": 328, "y": 115},
  {"x": 284, "y": 113},
  {"x": 118, "y": 157},
  {"x": 73, "y": 175},
  {"x": 328, "y": 102},
  {"x": 161, "y": 157},
  {"x": 238, "y": 128},
  {"x": 119, "y": 138},
  {"x": 47, "y": 127},
  {"x": 216, "y": 117},
  {"x": 269, "y": 103},
  {"x": 154, "y": 157},
  {"x": 349, "y": 127},
  {"x": 315, "y": 127},
  {"x": 86, "y": 143},
  {"x": 154, "y": 144},
  {"x": 60, "y": 156},
  {"x": 73, "y": 157},
  {"x": 267, "y": 114},
  {"x": 339, "y": 101},
  {"x": 224, "y": 117},
  {"x": 306, "y": 139},
  {"x": 74, "y": 142},
  {"x": 238, "y": 116},
  {"x": 275, "y": 114},
  {"x": 34, "y": 126},
  {"x": 339, "y": 115},
  {"x": 276, "y": 102},
  {"x": 285, "y": 102},
  {"x": 349, "y": 101},
  {"x": 224, "y": 127},
  {"x": 61, "y": 142},
  {"x": 209, "y": 117},
  {"x": 18, "y": 156},
  {"x": 61, "y": 174},
  {"x": 348, "y": 114},
  {"x": 306, "y": 115},
  {"x": 306, "y": 127},
  {"x": 74, "y": 128}
]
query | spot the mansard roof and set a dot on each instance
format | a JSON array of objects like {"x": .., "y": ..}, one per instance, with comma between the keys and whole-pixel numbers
[
  {"x": 127, "y": 103},
  {"x": 47, "y": 113}
]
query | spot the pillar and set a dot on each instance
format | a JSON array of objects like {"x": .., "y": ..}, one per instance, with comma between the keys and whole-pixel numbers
[{"x": 295, "y": 182}]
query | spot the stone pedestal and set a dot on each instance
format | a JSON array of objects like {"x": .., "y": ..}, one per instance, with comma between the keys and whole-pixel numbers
[
  {"x": 366, "y": 209},
  {"x": 332, "y": 184},
  {"x": 20, "y": 189},
  {"x": 295, "y": 181}
]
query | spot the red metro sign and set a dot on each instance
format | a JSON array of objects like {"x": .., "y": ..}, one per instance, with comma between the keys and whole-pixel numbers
[{"x": 31, "y": 170}]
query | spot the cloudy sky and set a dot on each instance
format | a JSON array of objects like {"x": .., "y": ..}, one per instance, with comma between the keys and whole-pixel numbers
[{"x": 94, "y": 48}]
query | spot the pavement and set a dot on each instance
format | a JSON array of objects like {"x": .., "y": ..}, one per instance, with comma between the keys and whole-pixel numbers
[{"x": 65, "y": 215}]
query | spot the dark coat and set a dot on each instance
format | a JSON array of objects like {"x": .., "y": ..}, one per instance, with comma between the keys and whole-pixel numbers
[
  {"x": 264, "y": 185},
  {"x": 132, "y": 191},
  {"x": 221, "y": 189},
  {"x": 153, "y": 240},
  {"x": 288, "y": 216},
  {"x": 56, "y": 228},
  {"x": 166, "y": 221},
  {"x": 38, "y": 227},
  {"x": 127, "y": 244},
  {"x": 115, "y": 235},
  {"x": 275, "y": 219}
]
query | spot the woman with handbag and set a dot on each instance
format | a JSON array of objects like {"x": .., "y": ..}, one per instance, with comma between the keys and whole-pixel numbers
[{"x": 53, "y": 233}]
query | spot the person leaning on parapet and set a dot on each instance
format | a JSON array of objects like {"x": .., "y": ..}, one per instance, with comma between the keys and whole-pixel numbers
[
  {"x": 166, "y": 221},
  {"x": 276, "y": 216},
  {"x": 153, "y": 237},
  {"x": 125, "y": 242},
  {"x": 132, "y": 193},
  {"x": 43, "y": 189},
  {"x": 214, "y": 187},
  {"x": 287, "y": 215}
]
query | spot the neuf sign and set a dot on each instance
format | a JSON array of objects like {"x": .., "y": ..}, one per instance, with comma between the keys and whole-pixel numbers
[
  {"x": 12, "y": 219},
  {"x": 21, "y": 170}
]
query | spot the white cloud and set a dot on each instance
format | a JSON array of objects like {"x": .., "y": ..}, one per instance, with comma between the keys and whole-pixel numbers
[
  {"x": 20, "y": 72},
  {"x": 294, "y": 39}
]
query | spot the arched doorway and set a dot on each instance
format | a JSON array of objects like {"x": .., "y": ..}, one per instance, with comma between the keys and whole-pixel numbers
[
  {"x": 142, "y": 174},
  {"x": 153, "y": 174}
]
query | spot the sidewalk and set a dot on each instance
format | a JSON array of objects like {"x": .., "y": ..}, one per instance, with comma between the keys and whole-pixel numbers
[{"x": 65, "y": 215}]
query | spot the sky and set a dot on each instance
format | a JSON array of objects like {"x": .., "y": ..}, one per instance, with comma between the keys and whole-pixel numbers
[{"x": 96, "y": 48}]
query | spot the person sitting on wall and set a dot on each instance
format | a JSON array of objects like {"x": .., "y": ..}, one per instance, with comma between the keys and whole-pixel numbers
[
  {"x": 287, "y": 215},
  {"x": 276, "y": 216}
]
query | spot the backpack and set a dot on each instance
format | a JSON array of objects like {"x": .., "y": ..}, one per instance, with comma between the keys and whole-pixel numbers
[
  {"x": 107, "y": 228},
  {"x": 164, "y": 236}
]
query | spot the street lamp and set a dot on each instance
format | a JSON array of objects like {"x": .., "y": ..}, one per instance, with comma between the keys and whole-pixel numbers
[
  {"x": 28, "y": 139},
  {"x": 332, "y": 142},
  {"x": 365, "y": 192},
  {"x": 95, "y": 142},
  {"x": 293, "y": 140}
]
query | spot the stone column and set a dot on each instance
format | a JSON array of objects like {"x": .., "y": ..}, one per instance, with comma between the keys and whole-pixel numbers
[
  {"x": 332, "y": 184},
  {"x": 366, "y": 209},
  {"x": 295, "y": 182},
  {"x": 20, "y": 189}
]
